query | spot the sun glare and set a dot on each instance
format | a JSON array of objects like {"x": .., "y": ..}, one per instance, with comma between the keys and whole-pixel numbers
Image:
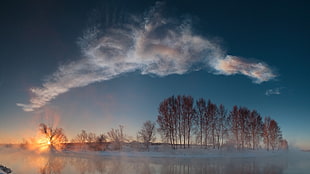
[{"x": 42, "y": 144}]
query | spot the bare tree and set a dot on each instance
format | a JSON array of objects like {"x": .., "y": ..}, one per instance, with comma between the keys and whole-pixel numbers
[
  {"x": 147, "y": 133},
  {"x": 183, "y": 121},
  {"x": 235, "y": 124},
  {"x": 211, "y": 117},
  {"x": 271, "y": 133},
  {"x": 178, "y": 108},
  {"x": 266, "y": 133},
  {"x": 117, "y": 137},
  {"x": 91, "y": 137},
  {"x": 80, "y": 138},
  {"x": 243, "y": 120},
  {"x": 178, "y": 119},
  {"x": 100, "y": 144},
  {"x": 55, "y": 137},
  {"x": 173, "y": 119},
  {"x": 162, "y": 121},
  {"x": 167, "y": 121},
  {"x": 275, "y": 134},
  {"x": 207, "y": 127},
  {"x": 102, "y": 138},
  {"x": 221, "y": 124},
  {"x": 188, "y": 112},
  {"x": 255, "y": 127},
  {"x": 200, "y": 121}
]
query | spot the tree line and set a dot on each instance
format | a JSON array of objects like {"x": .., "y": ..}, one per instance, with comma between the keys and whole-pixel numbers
[
  {"x": 54, "y": 139},
  {"x": 183, "y": 122}
]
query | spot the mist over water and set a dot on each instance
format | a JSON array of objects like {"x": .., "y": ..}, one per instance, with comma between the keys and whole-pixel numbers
[{"x": 21, "y": 161}]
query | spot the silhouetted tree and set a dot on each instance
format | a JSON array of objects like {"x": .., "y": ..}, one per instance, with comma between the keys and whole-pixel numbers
[
  {"x": 255, "y": 127},
  {"x": 174, "y": 119},
  {"x": 117, "y": 137},
  {"x": 147, "y": 133},
  {"x": 80, "y": 138},
  {"x": 85, "y": 140},
  {"x": 211, "y": 117},
  {"x": 188, "y": 113},
  {"x": 162, "y": 121},
  {"x": 167, "y": 120},
  {"x": 91, "y": 137},
  {"x": 102, "y": 138},
  {"x": 221, "y": 125},
  {"x": 200, "y": 121},
  {"x": 266, "y": 133},
  {"x": 244, "y": 122},
  {"x": 235, "y": 124},
  {"x": 179, "y": 119},
  {"x": 271, "y": 133},
  {"x": 275, "y": 134},
  {"x": 178, "y": 109},
  {"x": 55, "y": 137}
]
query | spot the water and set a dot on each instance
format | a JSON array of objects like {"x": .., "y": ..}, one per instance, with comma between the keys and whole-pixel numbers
[{"x": 28, "y": 162}]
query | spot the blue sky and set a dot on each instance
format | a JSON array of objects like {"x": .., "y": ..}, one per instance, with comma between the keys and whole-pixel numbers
[{"x": 95, "y": 65}]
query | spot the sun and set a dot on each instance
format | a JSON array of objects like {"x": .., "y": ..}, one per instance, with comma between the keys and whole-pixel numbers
[{"x": 48, "y": 142}]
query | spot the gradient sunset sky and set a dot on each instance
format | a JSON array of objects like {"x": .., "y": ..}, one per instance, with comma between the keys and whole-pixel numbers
[{"x": 94, "y": 65}]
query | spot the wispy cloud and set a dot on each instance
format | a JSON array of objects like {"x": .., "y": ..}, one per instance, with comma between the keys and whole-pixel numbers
[
  {"x": 152, "y": 44},
  {"x": 258, "y": 71},
  {"x": 275, "y": 91}
]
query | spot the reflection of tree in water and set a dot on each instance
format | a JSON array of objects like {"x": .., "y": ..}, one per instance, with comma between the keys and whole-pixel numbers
[
  {"x": 118, "y": 165},
  {"x": 139, "y": 166},
  {"x": 243, "y": 166},
  {"x": 87, "y": 165},
  {"x": 100, "y": 166},
  {"x": 222, "y": 165},
  {"x": 275, "y": 166},
  {"x": 81, "y": 164},
  {"x": 128, "y": 165},
  {"x": 53, "y": 165}
]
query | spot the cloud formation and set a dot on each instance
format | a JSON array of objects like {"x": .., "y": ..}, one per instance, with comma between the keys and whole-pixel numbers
[
  {"x": 258, "y": 71},
  {"x": 152, "y": 44},
  {"x": 275, "y": 91}
]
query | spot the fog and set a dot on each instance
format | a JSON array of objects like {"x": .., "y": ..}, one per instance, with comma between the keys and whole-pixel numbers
[{"x": 21, "y": 161}]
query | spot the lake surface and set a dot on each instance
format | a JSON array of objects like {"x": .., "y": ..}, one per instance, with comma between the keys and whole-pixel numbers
[{"x": 28, "y": 162}]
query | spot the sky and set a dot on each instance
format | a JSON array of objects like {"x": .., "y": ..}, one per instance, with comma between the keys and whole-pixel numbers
[{"x": 94, "y": 65}]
